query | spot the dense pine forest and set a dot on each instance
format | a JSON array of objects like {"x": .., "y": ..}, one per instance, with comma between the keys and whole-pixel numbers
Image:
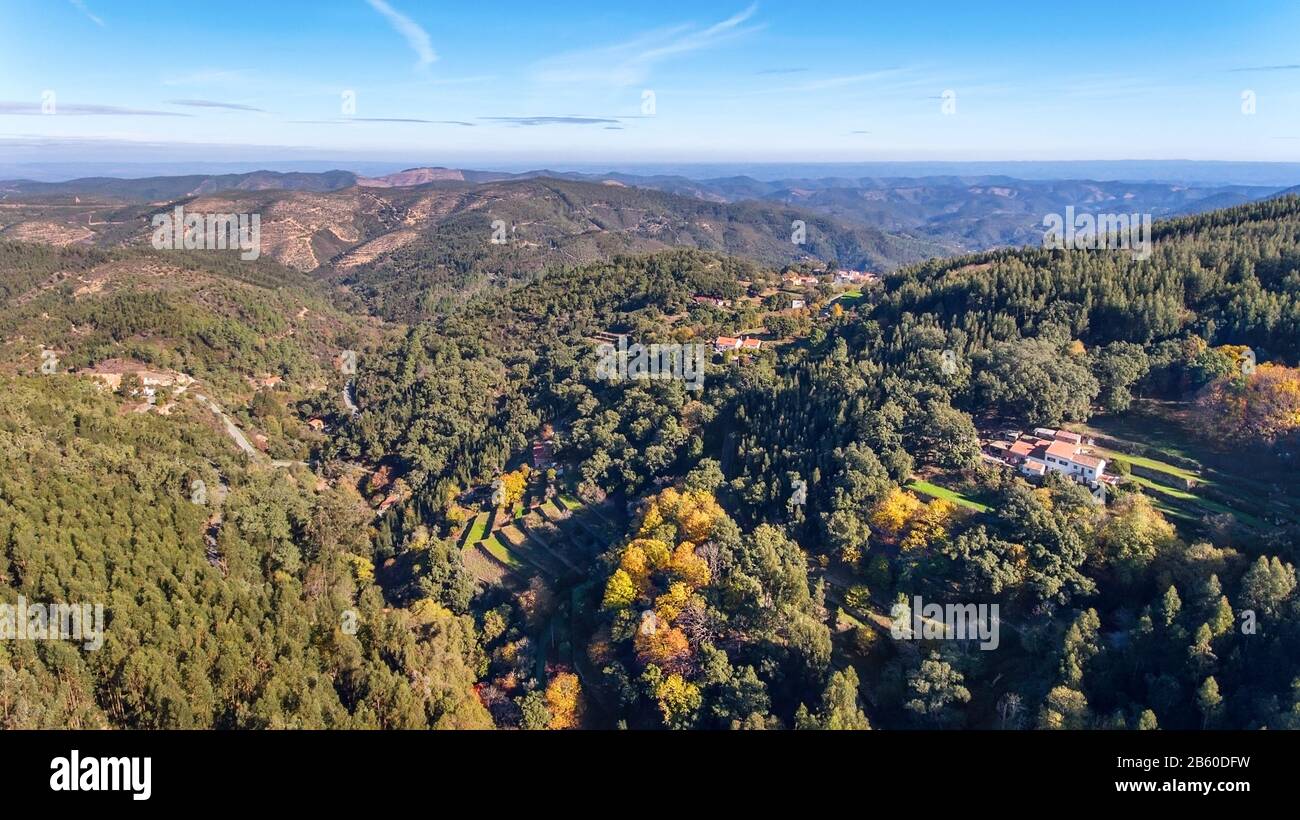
[{"x": 725, "y": 558}]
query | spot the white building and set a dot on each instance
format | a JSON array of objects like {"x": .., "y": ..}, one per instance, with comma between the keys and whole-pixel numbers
[{"x": 1066, "y": 458}]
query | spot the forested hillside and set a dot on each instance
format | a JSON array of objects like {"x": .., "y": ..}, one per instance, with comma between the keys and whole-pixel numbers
[
  {"x": 241, "y": 330},
  {"x": 415, "y": 251},
  {"x": 864, "y": 402},
  {"x": 100, "y": 506},
  {"x": 518, "y": 543},
  {"x": 546, "y": 223}
]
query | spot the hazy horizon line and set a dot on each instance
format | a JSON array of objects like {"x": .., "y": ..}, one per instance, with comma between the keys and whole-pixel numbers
[{"x": 1275, "y": 173}]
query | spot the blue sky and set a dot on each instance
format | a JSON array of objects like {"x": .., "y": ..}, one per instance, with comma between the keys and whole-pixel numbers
[{"x": 565, "y": 82}]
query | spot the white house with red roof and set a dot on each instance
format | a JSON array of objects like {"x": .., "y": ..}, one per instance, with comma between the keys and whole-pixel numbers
[
  {"x": 724, "y": 344},
  {"x": 1066, "y": 458},
  {"x": 799, "y": 279},
  {"x": 1050, "y": 451}
]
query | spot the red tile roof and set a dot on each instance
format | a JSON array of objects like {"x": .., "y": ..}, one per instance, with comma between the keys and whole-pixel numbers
[
  {"x": 1061, "y": 449},
  {"x": 1022, "y": 448},
  {"x": 1088, "y": 461}
]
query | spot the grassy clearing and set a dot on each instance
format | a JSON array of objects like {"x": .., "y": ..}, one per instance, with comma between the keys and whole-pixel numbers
[
  {"x": 846, "y": 620},
  {"x": 935, "y": 491},
  {"x": 1171, "y": 512},
  {"x": 477, "y": 528},
  {"x": 512, "y": 535},
  {"x": 481, "y": 566},
  {"x": 552, "y": 512},
  {"x": 1237, "y": 478},
  {"x": 1153, "y": 464},
  {"x": 499, "y": 551},
  {"x": 1151, "y": 431},
  {"x": 526, "y": 548},
  {"x": 848, "y": 298},
  {"x": 1209, "y": 505}
]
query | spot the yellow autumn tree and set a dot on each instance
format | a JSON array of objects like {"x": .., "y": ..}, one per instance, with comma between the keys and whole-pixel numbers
[
  {"x": 688, "y": 566},
  {"x": 512, "y": 486},
  {"x": 1044, "y": 496},
  {"x": 669, "y": 605},
  {"x": 1135, "y": 533},
  {"x": 620, "y": 592},
  {"x": 929, "y": 525},
  {"x": 894, "y": 511},
  {"x": 697, "y": 514},
  {"x": 694, "y": 513},
  {"x": 658, "y": 553},
  {"x": 1258, "y": 408},
  {"x": 652, "y": 519},
  {"x": 663, "y": 645},
  {"x": 427, "y": 611},
  {"x": 636, "y": 565},
  {"x": 363, "y": 569},
  {"x": 678, "y": 700},
  {"x": 564, "y": 700}
]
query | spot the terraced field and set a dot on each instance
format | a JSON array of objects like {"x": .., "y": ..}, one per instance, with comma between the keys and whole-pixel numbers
[
  {"x": 557, "y": 539},
  {"x": 483, "y": 566},
  {"x": 502, "y": 553},
  {"x": 555, "y": 544},
  {"x": 1221, "y": 483},
  {"x": 520, "y": 544},
  {"x": 477, "y": 529}
]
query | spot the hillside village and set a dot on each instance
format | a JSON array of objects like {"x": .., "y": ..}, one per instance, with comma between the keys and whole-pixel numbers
[
  {"x": 770, "y": 310},
  {"x": 142, "y": 382}
]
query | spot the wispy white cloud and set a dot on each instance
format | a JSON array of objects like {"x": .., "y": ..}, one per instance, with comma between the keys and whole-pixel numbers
[
  {"x": 351, "y": 120},
  {"x": 416, "y": 37},
  {"x": 550, "y": 120},
  {"x": 631, "y": 62},
  {"x": 80, "y": 5},
  {"x": 215, "y": 104},
  {"x": 846, "y": 80},
  {"x": 210, "y": 76},
  {"x": 32, "y": 109},
  {"x": 1113, "y": 87},
  {"x": 1291, "y": 67},
  {"x": 468, "y": 80},
  {"x": 875, "y": 84}
]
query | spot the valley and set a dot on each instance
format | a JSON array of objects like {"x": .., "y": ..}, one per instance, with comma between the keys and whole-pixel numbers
[{"x": 398, "y": 424}]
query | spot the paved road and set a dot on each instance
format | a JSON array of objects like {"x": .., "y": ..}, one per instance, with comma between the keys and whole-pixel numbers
[
  {"x": 240, "y": 439},
  {"x": 232, "y": 430}
]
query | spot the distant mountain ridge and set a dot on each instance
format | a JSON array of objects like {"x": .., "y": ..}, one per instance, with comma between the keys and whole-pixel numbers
[
  {"x": 412, "y": 177},
  {"x": 968, "y": 212},
  {"x": 956, "y": 212},
  {"x": 153, "y": 189},
  {"x": 425, "y": 234}
]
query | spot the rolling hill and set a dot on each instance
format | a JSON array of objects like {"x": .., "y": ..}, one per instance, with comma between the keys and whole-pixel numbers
[{"x": 410, "y": 247}]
